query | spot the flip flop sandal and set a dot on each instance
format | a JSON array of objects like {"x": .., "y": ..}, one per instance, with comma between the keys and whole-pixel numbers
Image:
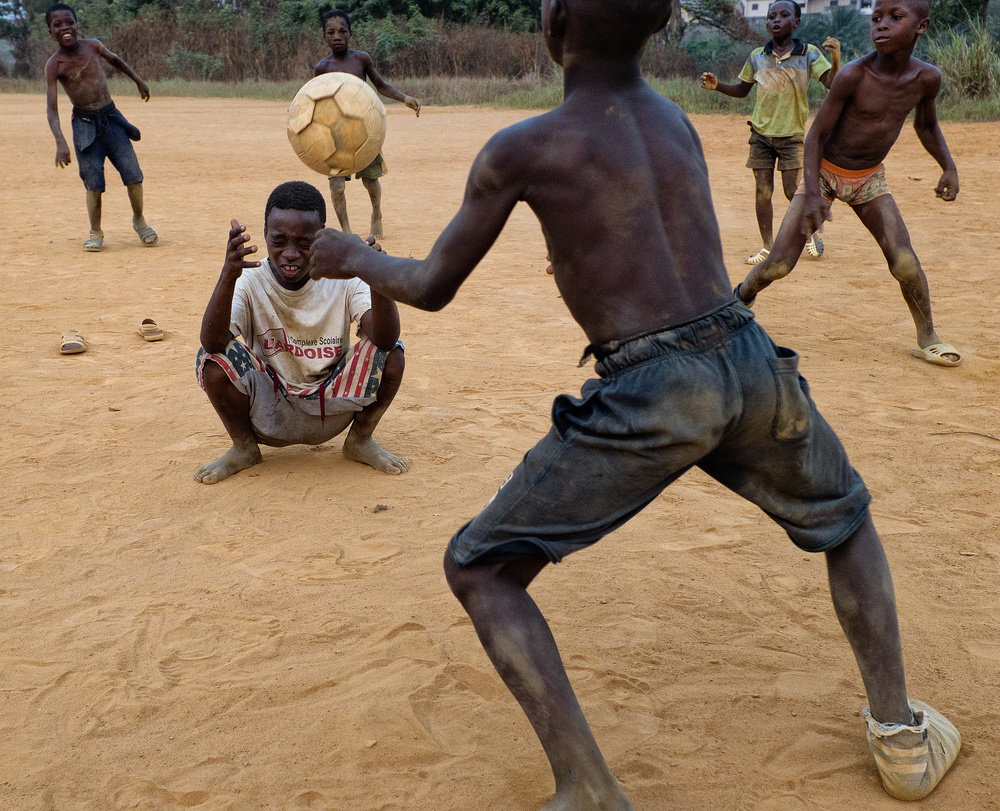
[
  {"x": 937, "y": 354},
  {"x": 72, "y": 343},
  {"x": 150, "y": 330},
  {"x": 147, "y": 235},
  {"x": 95, "y": 242}
]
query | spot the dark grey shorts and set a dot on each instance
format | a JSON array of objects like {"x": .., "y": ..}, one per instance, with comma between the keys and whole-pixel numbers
[
  {"x": 765, "y": 150},
  {"x": 100, "y": 134},
  {"x": 716, "y": 393}
]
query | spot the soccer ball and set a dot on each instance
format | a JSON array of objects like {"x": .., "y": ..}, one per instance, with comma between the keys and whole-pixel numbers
[{"x": 336, "y": 124}]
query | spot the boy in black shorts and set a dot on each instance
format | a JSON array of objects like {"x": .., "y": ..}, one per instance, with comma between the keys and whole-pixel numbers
[{"x": 618, "y": 181}]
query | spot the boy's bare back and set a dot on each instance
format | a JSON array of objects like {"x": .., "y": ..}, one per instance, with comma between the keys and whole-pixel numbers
[
  {"x": 619, "y": 184},
  {"x": 618, "y": 181},
  {"x": 872, "y": 106}
]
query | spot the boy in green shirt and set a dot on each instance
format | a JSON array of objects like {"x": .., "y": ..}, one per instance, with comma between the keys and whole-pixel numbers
[{"x": 781, "y": 70}]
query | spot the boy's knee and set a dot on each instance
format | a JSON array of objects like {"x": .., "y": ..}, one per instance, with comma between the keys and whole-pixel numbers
[
  {"x": 213, "y": 376},
  {"x": 904, "y": 265},
  {"x": 460, "y": 580},
  {"x": 395, "y": 363}
]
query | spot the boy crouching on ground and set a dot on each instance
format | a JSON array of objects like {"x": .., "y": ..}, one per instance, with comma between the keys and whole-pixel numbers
[{"x": 295, "y": 378}]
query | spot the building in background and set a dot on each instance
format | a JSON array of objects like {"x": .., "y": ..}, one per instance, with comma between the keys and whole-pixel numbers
[{"x": 757, "y": 9}]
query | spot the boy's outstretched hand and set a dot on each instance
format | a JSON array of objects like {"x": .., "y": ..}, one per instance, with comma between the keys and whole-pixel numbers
[
  {"x": 709, "y": 81},
  {"x": 332, "y": 253},
  {"x": 947, "y": 187},
  {"x": 815, "y": 212},
  {"x": 413, "y": 104},
  {"x": 237, "y": 250}
]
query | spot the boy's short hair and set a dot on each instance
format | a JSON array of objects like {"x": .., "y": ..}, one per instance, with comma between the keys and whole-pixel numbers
[
  {"x": 296, "y": 195},
  {"x": 623, "y": 24},
  {"x": 796, "y": 6},
  {"x": 922, "y": 8},
  {"x": 57, "y": 7},
  {"x": 338, "y": 13}
]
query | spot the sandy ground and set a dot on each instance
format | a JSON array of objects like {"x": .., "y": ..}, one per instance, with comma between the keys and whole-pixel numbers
[{"x": 274, "y": 642}]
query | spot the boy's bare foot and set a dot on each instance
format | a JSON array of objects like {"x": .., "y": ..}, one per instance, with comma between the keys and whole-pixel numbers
[
  {"x": 369, "y": 452},
  {"x": 232, "y": 461},
  {"x": 376, "y": 229},
  {"x": 95, "y": 242},
  {"x": 586, "y": 801}
]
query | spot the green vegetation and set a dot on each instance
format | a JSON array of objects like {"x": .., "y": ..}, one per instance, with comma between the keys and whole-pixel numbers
[{"x": 464, "y": 52}]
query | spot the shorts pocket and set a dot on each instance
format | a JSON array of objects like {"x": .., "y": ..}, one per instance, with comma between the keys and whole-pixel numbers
[{"x": 792, "y": 412}]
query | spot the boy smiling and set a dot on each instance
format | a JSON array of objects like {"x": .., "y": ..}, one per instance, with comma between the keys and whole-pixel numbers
[{"x": 99, "y": 130}]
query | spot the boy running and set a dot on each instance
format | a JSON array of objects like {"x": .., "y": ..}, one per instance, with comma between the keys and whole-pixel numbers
[
  {"x": 781, "y": 70},
  {"x": 99, "y": 130},
  {"x": 854, "y": 130},
  {"x": 337, "y": 34},
  {"x": 685, "y": 377}
]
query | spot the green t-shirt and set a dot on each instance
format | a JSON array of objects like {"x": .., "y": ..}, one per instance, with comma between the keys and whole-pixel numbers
[{"x": 782, "y": 107}]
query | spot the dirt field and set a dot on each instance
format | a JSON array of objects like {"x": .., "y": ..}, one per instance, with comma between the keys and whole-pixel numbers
[{"x": 273, "y": 642}]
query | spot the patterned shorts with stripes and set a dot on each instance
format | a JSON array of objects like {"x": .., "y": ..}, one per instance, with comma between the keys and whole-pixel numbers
[{"x": 280, "y": 418}]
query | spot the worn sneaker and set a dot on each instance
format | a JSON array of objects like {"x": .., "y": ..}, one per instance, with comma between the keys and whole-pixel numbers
[
  {"x": 814, "y": 247},
  {"x": 912, "y": 759}
]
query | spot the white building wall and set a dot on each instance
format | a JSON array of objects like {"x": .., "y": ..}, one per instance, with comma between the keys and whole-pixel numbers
[{"x": 757, "y": 9}]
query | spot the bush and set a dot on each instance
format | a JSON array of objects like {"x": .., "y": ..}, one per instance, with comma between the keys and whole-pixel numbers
[{"x": 968, "y": 62}]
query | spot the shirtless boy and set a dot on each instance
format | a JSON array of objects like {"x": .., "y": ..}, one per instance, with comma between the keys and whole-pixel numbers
[
  {"x": 685, "y": 377},
  {"x": 295, "y": 379},
  {"x": 337, "y": 34},
  {"x": 854, "y": 130},
  {"x": 781, "y": 70},
  {"x": 99, "y": 130}
]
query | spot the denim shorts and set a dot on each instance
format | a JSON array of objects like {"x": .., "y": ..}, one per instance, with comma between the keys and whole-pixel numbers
[
  {"x": 100, "y": 134},
  {"x": 716, "y": 393}
]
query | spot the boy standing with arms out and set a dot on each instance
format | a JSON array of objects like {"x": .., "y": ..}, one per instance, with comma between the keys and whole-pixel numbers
[
  {"x": 854, "y": 130},
  {"x": 99, "y": 129},
  {"x": 781, "y": 70},
  {"x": 295, "y": 379},
  {"x": 337, "y": 34},
  {"x": 685, "y": 377}
]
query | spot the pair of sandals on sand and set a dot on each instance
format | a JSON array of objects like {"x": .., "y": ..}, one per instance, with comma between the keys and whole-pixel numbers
[
  {"x": 72, "y": 342},
  {"x": 95, "y": 242}
]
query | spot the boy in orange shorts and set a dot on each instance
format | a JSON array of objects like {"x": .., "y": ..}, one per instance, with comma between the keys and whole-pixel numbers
[{"x": 854, "y": 130}]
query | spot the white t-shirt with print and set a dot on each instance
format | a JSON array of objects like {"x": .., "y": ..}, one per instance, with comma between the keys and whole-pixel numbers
[{"x": 301, "y": 334}]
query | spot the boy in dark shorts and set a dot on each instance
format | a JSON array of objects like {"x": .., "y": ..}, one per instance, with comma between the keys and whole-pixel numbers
[
  {"x": 685, "y": 377},
  {"x": 99, "y": 130},
  {"x": 337, "y": 34},
  {"x": 295, "y": 378},
  {"x": 781, "y": 69},
  {"x": 854, "y": 130}
]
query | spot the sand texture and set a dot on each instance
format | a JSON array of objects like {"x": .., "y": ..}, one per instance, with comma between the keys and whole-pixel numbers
[{"x": 275, "y": 642}]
